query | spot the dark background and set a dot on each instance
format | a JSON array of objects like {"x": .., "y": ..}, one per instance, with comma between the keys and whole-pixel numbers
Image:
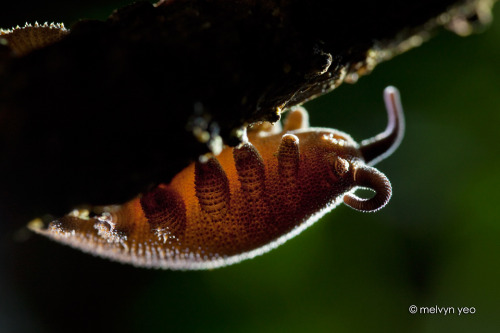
[{"x": 436, "y": 243}]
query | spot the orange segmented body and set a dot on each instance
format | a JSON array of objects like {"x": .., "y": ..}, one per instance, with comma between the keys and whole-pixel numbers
[{"x": 241, "y": 203}]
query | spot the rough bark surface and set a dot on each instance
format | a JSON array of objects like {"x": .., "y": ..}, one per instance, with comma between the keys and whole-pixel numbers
[{"x": 117, "y": 106}]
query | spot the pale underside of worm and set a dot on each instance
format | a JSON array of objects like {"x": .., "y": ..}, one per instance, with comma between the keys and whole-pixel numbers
[{"x": 241, "y": 203}]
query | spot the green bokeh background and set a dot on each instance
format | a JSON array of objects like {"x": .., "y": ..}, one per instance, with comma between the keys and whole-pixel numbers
[{"x": 436, "y": 243}]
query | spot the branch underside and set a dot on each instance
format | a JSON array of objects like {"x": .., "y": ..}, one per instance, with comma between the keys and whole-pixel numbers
[{"x": 116, "y": 106}]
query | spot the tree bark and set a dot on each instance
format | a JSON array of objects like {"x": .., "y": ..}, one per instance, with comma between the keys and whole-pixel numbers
[{"x": 118, "y": 106}]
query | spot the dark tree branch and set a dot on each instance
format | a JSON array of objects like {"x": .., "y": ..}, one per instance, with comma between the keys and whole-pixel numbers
[{"x": 120, "y": 105}]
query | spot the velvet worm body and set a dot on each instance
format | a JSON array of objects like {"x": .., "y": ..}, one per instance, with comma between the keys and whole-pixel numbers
[{"x": 243, "y": 202}]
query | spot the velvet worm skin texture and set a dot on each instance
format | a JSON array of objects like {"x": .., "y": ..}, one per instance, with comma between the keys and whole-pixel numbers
[
  {"x": 23, "y": 40},
  {"x": 239, "y": 204},
  {"x": 168, "y": 227}
]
